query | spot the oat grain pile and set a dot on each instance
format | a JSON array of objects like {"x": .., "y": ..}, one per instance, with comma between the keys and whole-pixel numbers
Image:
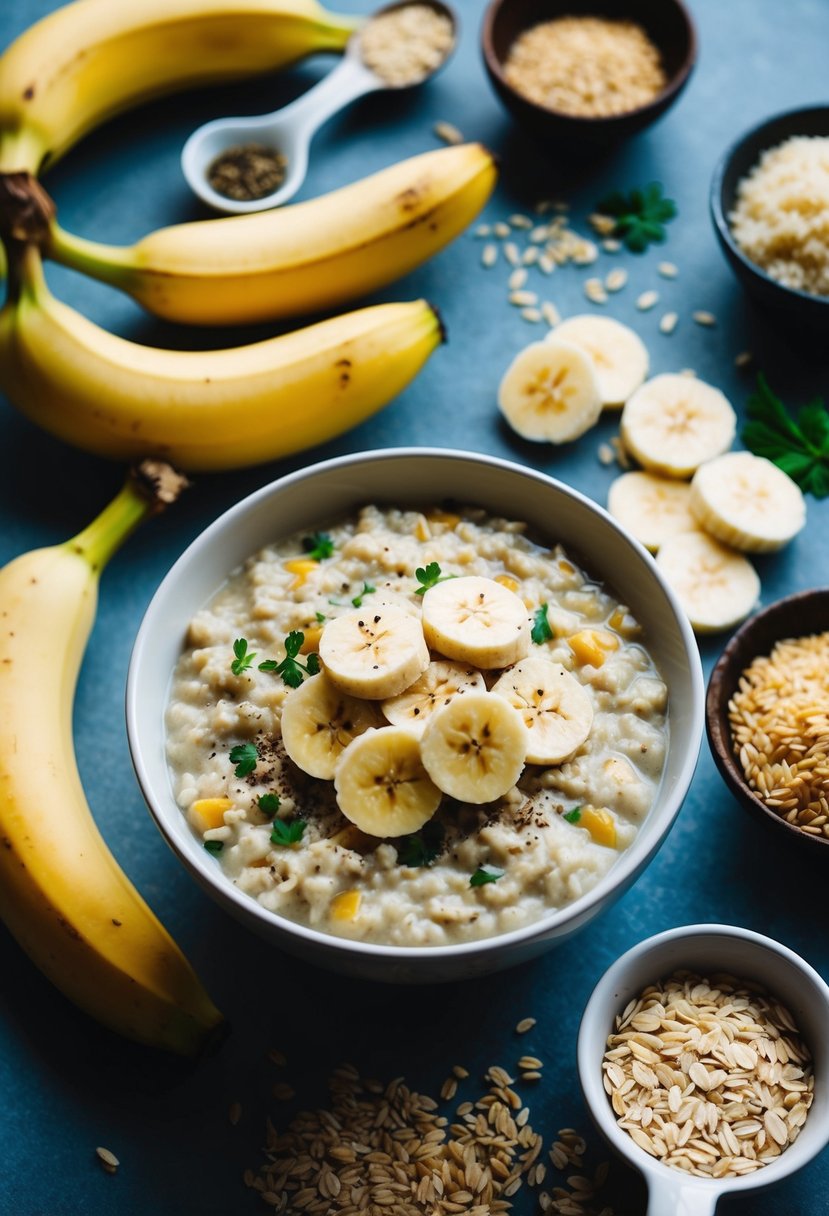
[
  {"x": 406, "y": 45},
  {"x": 779, "y": 720},
  {"x": 386, "y": 1150},
  {"x": 587, "y": 66},
  {"x": 711, "y": 1077}
]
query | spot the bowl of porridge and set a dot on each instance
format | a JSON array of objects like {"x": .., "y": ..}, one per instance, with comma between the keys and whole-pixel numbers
[{"x": 414, "y": 714}]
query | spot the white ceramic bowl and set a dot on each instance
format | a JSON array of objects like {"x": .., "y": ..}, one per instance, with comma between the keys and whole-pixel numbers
[
  {"x": 706, "y": 949},
  {"x": 309, "y": 499}
]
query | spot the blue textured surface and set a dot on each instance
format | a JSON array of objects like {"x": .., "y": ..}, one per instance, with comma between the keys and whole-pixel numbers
[{"x": 65, "y": 1085}]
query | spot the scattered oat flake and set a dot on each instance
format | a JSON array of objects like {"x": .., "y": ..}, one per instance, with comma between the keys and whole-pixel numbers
[
  {"x": 648, "y": 299},
  {"x": 524, "y": 1025},
  {"x": 489, "y": 255},
  {"x": 517, "y": 279},
  {"x": 616, "y": 279},
  {"x": 744, "y": 358},
  {"x": 283, "y": 1092},
  {"x": 523, "y": 298},
  {"x": 483, "y": 230},
  {"x": 531, "y": 314},
  {"x": 595, "y": 292},
  {"x": 521, "y": 221},
  {"x": 704, "y": 318},
  {"x": 530, "y": 256},
  {"x": 448, "y": 132},
  {"x": 602, "y": 224},
  {"x": 234, "y": 1113},
  {"x": 605, "y": 454},
  {"x": 501, "y": 229},
  {"x": 668, "y": 322},
  {"x": 277, "y": 1057},
  {"x": 107, "y": 1159},
  {"x": 539, "y": 234},
  {"x": 668, "y": 270},
  {"x": 611, "y": 245},
  {"x": 550, "y": 313},
  {"x": 546, "y": 264},
  {"x": 512, "y": 253}
]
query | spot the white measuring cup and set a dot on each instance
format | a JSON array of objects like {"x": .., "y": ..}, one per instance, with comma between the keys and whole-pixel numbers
[
  {"x": 290, "y": 129},
  {"x": 707, "y": 949}
]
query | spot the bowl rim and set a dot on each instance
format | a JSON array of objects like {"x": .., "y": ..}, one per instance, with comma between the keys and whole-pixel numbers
[
  {"x": 715, "y": 198},
  {"x": 671, "y": 88},
  {"x": 205, "y": 870},
  {"x": 589, "y": 1068},
  {"x": 719, "y": 739}
]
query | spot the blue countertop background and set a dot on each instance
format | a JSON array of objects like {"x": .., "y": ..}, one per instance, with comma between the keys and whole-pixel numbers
[{"x": 67, "y": 1086}]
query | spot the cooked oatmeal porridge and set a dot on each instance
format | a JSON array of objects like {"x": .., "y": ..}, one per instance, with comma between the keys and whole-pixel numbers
[{"x": 415, "y": 728}]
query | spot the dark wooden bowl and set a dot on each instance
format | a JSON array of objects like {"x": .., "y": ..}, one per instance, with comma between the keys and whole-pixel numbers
[
  {"x": 667, "y": 23},
  {"x": 797, "y": 615},
  {"x": 793, "y": 307}
]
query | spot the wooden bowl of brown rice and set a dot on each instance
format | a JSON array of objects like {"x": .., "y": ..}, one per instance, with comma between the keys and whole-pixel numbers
[
  {"x": 766, "y": 726},
  {"x": 766, "y": 210}
]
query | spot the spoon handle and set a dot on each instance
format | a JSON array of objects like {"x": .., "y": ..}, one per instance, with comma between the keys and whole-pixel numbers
[
  {"x": 680, "y": 1196},
  {"x": 349, "y": 80}
]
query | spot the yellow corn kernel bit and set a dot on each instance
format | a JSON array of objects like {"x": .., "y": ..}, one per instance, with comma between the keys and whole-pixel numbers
[
  {"x": 565, "y": 567},
  {"x": 592, "y": 645},
  {"x": 346, "y": 905},
  {"x": 207, "y": 813},
  {"x": 447, "y": 518},
  {"x": 422, "y": 530},
  {"x": 621, "y": 620},
  {"x": 301, "y": 567},
  {"x": 311, "y": 641},
  {"x": 600, "y": 824},
  {"x": 506, "y": 580}
]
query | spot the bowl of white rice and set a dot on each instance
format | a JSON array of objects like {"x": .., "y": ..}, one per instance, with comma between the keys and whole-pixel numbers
[{"x": 770, "y": 207}]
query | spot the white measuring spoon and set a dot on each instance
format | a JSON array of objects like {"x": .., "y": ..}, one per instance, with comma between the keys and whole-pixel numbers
[
  {"x": 707, "y": 949},
  {"x": 290, "y": 129}
]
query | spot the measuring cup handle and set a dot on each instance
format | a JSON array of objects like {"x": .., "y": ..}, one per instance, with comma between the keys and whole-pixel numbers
[
  {"x": 349, "y": 80},
  {"x": 680, "y": 1197}
]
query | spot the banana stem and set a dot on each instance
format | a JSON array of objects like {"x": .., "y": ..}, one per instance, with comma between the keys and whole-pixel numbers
[
  {"x": 22, "y": 151},
  {"x": 150, "y": 486},
  {"x": 107, "y": 263}
]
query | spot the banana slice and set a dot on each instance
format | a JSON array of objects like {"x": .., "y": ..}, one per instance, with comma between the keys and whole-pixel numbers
[
  {"x": 747, "y": 502},
  {"x": 440, "y": 682},
  {"x": 382, "y": 785},
  {"x": 717, "y": 587},
  {"x": 374, "y": 652},
  {"x": 474, "y": 748},
  {"x": 550, "y": 392},
  {"x": 318, "y": 723},
  {"x": 477, "y": 621},
  {"x": 652, "y": 508},
  {"x": 556, "y": 710},
  {"x": 619, "y": 356},
  {"x": 673, "y": 424}
]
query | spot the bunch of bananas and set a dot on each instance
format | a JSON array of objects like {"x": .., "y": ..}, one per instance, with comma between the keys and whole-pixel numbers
[
  {"x": 61, "y": 892},
  {"x": 224, "y": 408}
]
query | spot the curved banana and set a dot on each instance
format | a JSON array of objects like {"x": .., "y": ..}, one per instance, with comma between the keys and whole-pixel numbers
[
  {"x": 62, "y": 894},
  {"x": 94, "y": 58},
  {"x": 217, "y": 409},
  {"x": 298, "y": 259}
]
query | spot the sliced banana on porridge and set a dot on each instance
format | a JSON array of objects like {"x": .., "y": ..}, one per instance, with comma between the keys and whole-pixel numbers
[
  {"x": 555, "y": 709},
  {"x": 382, "y": 785},
  {"x": 550, "y": 392},
  {"x": 318, "y": 723},
  {"x": 619, "y": 356},
  {"x": 674, "y": 423},
  {"x": 374, "y": 652},
  {"x": 477, "y": 621},
  {"x": 474, "y": 748},
  {"x": 440, "y": 682}
]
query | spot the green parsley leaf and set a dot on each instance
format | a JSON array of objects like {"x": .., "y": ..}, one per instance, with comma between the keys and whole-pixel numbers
[
  {"x": 319, "y": 546},
  {"x": 320, "y": 617},
  {"x": 244, "y": 658},
  {"x": 416, "y": 851},
  {"x": 367, "y": 590},
  {"x": 800, "y": 448},
  {"x": 244, "y": 756},
  {"x": 484, "y": 874},
  {"x": 214, "y": 846},
  {"x": 429, "y": 576},
  {"x": 541, "y": 631},
  {"x": 640, "y": 216},
  {"x": 292, "y": 669},
  {"x": 573, "y": 816},
  {"x": 269, "y": 804},
  {"x": 287, "y": 832}
]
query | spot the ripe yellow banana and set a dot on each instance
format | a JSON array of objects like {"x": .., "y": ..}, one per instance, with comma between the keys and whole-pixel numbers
[
  {"x": 216, "y": 409},
  {"x": 94, "y": 58},
  {"x": 62, "y": 893},
  {"x": 298, "y": 259}
]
